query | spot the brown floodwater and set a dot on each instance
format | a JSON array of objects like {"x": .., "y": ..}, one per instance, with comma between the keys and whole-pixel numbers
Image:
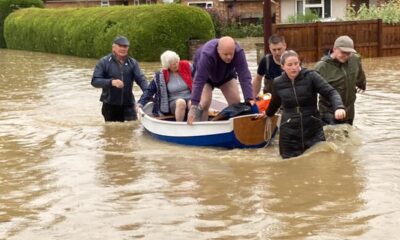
[{"x": 65, "y": 174}]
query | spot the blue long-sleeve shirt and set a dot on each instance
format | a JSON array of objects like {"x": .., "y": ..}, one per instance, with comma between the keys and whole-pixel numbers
[{"x": 209, "y": 66}]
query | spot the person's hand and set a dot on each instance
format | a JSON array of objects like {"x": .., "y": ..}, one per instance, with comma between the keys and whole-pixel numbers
[
  {"x": 340, "y": 114},
  {"x": 195, "y": 113},
  {"x": 360, "y": 88},
  {"x": 117, "y": 83},
  {"x": 252, "y": 102},
  {"x": 191, "y": 114},
  {"x": 139, "y": 114},
  {"x": 261, "y": 115},
  {"x": 137, "y": 107}
]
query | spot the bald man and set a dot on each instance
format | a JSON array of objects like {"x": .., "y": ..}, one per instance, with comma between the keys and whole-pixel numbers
[{"x": 218, "y": 63}]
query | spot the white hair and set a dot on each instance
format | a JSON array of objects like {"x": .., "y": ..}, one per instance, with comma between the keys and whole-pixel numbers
[{"x": 167, "y": 57}]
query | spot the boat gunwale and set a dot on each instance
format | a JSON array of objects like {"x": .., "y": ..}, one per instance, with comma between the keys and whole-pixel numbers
[{"x": 222, "y": 122}]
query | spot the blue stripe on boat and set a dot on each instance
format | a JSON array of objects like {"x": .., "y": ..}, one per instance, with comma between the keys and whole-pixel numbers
[{"x": 225, "y": 140}]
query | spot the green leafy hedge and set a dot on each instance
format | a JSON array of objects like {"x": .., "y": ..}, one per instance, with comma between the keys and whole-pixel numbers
[
  {"x": 243, "y": 30},
  {"x": 307, "y": 17},
  {"x": 389, "y": 12},
  {"x": 7, "y": 6},
  {"x": 88, "y": 32}
]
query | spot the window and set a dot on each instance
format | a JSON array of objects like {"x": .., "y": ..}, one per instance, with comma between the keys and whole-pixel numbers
[
  {"x": 206, "y": 5},
  {"x": 327, "y": 8},
  {"x": 321, "y": 7}
]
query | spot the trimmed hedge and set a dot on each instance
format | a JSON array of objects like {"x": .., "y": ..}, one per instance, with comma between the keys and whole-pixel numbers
[
  {"x": 7, "y": 6},
  {"x": 88, "y": 32}
]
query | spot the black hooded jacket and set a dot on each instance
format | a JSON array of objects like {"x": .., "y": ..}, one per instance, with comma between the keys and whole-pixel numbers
[
  {"x": 109, "y": 68},
  {"x": 301, "y": 126}
]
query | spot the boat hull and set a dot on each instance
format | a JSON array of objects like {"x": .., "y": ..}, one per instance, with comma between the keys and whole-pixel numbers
[
  {"x": 224, "y": 140},
  {"x": 238, "y": 132}
]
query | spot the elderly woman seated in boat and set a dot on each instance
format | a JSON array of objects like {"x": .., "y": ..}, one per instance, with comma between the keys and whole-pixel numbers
[{"x": 170, "y": 88}]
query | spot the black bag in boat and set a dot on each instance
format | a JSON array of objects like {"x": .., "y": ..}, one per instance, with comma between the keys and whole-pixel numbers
[{"x": 234, "y": 110}]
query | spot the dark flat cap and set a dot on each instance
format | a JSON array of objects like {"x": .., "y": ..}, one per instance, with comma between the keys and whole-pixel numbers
[{"x": 121, "y": 40}]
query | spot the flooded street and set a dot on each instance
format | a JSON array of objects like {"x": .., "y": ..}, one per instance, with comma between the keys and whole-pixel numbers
[{"x": 65, "y": 174}]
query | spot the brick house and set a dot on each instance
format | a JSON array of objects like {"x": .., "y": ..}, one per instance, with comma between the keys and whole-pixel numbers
[
  {"x": 94, "y": 3},
  {"x": 252, "y": 10},
  {"x": 234, "y": 10},
  {"x": 241, "y": 10},
  {"x": 327, "y": 9}
]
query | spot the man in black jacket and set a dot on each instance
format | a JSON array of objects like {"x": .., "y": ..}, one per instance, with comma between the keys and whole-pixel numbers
[{"x": 115, "y": 74}]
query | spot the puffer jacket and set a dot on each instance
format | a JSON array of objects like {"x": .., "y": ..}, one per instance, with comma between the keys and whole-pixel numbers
[
  {"x": 109, "y": 68},
  {"x": 157, "y": 91},
  {"x": 344, "y": 77},
  {"x": 301, "y": 126}
]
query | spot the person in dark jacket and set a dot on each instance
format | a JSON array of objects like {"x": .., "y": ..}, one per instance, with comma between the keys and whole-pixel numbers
[
  {"x": 296, "y": 90},
  {"x": 343, "y": 70},
  {"x": 115, "y": 74},
  {"x": 171, "y": 87}
]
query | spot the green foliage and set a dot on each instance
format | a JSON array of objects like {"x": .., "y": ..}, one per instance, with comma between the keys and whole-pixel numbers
[
  {"x": 241, "y": 30},
  {"x": 308, "y": 17},
  {"x": 219, "y": 20},
  {"x": 225, "y": 27},
  {"x": 389, "y": 12},
  {"x": 89, "y": 32},
  {"x": 7, "y": 6}
]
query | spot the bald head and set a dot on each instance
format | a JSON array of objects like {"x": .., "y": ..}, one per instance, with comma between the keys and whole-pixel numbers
[{"x": 226, "y": 48}]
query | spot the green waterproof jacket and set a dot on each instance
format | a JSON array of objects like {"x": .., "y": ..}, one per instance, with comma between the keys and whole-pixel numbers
[{"x": 344, "y": 77}]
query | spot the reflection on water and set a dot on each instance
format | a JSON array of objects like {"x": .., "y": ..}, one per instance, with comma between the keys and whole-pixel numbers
[
  {"x": 65, "y": 174},
  {"x": 319, "y": 197}
]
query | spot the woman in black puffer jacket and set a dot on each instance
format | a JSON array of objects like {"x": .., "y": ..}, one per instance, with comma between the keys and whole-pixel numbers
[{"x": 296, "y": 90}]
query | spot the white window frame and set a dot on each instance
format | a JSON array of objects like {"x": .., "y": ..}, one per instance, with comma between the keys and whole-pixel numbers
[
  {"x": 317, "y": 5},
  {"x": 207, "y": 4}
]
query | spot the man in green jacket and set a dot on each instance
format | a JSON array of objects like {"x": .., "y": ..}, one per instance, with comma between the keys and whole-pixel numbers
[{"x": 342, "y": 69}]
